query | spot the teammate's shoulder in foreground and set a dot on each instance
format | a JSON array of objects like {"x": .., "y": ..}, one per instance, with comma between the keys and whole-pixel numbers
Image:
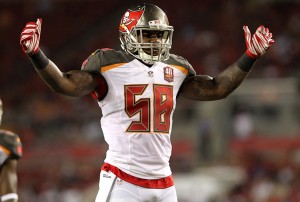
[{"x": 11, "y": 142}]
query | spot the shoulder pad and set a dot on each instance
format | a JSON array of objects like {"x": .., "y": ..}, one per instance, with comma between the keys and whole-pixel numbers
[
  {"x": 181, "y": 61},
  {"x": 92, "y": 63},
  {"x": 12, "y": 143},
  {"x": 110, "y": 57},
  {"x": 104, "y": 57}
]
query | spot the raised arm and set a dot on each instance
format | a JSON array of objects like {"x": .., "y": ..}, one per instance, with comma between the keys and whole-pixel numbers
[
  {"x": 9, "y": 180},
  {"x": 73, "y": 83},
  {"x": 204, "y": 88}
]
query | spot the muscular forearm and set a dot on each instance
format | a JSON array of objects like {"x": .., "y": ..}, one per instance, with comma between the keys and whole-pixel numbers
[
  {"x": 9, "y": 180},
  {"x": 229, "y": 80},
  {"x": 53, "y": 77},
  {"x": 233, "y": 76},
  {"x": 74, "y": 83},
  {"x": 207, "y": 88},
  {"x": 48, "y": 71},
  {"x": 204, "y": 88}
]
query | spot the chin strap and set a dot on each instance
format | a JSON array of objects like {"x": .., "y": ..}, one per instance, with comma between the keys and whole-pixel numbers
[
  {"x": 148, "y": 59},
  {"x": 9, "y": 196}
]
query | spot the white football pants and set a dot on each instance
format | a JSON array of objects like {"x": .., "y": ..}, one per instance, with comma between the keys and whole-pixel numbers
[{"x": 114, "y": 189}]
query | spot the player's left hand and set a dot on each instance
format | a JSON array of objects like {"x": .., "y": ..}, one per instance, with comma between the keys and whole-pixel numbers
[
  {"x": 30, "y": 37},
  {"x": 258, "y": 44}
]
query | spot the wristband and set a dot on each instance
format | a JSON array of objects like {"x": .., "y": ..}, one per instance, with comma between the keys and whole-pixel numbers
[
  {"x": 9, "y": 196},
  {"x": 245, "y": 62},
  {"x": 39, "y": 60}
]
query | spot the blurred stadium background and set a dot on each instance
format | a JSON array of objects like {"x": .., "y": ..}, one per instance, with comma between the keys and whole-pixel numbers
[{"x": 241, "y": 149}]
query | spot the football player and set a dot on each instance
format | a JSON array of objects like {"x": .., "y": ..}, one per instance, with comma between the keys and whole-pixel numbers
[
  {"x": 136, "y": 88},
  {"x": 10, "y": 152}
]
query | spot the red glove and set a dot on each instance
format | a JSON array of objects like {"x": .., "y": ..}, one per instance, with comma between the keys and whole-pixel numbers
[
  {"x": 30, "y": 37},
  {"x": 258, "y": 44}
]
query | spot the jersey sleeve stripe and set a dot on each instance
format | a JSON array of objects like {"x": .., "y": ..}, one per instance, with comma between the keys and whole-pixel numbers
[
  {"x": 109, "y": 67},
  {"x": 182, "y": 69}
]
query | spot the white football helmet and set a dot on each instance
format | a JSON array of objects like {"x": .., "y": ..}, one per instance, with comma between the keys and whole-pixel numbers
[{"x": 146, "y": 18}]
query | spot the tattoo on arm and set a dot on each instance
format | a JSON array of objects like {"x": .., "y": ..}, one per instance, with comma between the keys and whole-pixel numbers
[
  {"x": 204, "y": 88},
  {"x": 82, "y": 82},
  {"x": 74, "y": 83}
]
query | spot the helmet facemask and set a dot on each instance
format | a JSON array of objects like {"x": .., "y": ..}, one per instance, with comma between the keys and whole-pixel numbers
[{"x": 134, "y": 42}]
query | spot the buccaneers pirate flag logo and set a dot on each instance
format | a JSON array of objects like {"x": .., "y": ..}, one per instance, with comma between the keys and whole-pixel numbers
[{"x": 130, "y": 19}]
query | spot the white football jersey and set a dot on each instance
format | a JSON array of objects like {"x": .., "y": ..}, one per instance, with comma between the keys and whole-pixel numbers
[{"x": 137, "y": 110}]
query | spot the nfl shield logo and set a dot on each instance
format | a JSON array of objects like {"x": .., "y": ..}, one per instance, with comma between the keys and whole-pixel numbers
[{"x": 168, "y": 74}]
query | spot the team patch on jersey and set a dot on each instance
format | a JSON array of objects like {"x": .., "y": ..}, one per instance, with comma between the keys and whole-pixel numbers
[{"x": 168, "y": 74}]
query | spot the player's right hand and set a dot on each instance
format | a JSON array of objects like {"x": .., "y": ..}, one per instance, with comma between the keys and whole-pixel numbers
[
  {"x": 30, "y": 37},
  {"x": 258, "y": 44}
]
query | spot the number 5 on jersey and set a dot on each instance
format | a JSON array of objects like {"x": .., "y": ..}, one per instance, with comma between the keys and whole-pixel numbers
[{"x": 161, "y": 106}]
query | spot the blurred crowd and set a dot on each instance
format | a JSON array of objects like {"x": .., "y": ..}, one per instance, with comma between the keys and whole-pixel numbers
[
  {"x": 272, "y": 170},
  {"x": 63, "y": 142}
]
